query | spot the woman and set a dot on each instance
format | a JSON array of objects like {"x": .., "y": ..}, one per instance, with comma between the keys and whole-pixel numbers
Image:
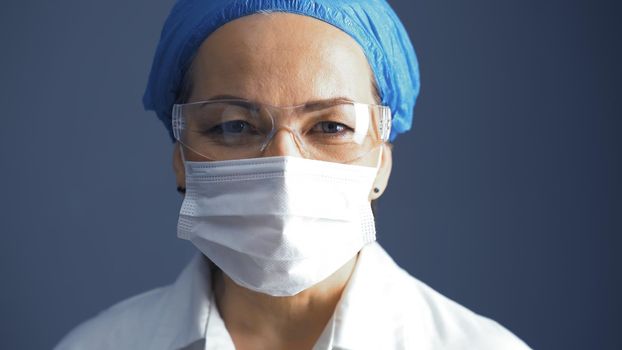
[{"x": 281, "y": 114}]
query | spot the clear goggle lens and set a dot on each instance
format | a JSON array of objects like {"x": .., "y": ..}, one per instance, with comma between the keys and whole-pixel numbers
[{"x": 340, "y": 131}]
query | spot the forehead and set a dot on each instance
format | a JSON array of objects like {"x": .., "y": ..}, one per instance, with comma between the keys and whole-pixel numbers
[{"x": 281, "y": 59}]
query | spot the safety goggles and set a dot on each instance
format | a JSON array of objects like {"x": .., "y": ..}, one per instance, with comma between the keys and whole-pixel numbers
[{"x": 335, "y": 130}]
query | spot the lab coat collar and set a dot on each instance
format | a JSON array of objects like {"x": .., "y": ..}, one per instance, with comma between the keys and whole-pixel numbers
[
  {"x": 363, "y": 319},
  {"x": 185, "y": 307},
  {"x": 369, "y": 316}
]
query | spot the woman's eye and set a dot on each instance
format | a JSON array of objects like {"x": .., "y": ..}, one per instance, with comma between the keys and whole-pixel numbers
[
  {"x": 232, "y": 127},
  {"x": 329, "y": 128}
]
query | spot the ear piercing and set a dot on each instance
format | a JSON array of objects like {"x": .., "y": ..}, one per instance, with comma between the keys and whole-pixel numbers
[{"x": 181, "y": 190}]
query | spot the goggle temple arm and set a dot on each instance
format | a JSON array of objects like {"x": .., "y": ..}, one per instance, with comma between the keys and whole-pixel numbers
[
  {"x": 385, "y": 123},
  {"x": 177, "y": 122}
]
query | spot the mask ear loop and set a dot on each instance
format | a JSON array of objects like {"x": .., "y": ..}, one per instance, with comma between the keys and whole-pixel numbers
[
  {"x": 379, "y": 161},
  {"x": 378, "y": 164},
  {"x": 181, "y": 151}
]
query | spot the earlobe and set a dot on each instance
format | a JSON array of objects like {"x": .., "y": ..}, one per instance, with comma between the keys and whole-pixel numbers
[
  {"x": 178, "y": 168},
  {"x": 384, "y": 172}
]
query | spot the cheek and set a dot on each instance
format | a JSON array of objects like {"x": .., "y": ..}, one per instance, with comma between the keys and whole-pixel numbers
[{"x": 371, "y": 159}]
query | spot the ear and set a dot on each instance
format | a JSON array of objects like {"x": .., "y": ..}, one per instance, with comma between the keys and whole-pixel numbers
[
  {"x": 178, "y": 167},
  {"x": 382, "y": 178}
]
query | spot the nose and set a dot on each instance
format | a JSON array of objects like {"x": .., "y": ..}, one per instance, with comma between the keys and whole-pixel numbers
[{"x": 283, "y": 143}]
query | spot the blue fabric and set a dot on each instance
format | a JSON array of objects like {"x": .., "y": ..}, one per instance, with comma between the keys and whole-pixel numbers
[{"x": 372, "y": 23}]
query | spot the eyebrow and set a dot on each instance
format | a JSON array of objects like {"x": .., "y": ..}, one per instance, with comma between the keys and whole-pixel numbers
[
  {"x": 321, "y": 104},
  {"x": 310, "y": 105}
]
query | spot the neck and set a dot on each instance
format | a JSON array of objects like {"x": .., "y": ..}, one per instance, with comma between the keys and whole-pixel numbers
[{"x": 297, "y": 321}]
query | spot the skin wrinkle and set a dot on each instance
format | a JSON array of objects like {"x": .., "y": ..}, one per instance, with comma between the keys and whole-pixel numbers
[
  {"x": 251, "y": 44},
  {"x": 281, "y": 59}
]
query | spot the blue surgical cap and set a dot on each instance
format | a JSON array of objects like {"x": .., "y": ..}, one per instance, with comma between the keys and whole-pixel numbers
[{"x": 372, "y": 23}]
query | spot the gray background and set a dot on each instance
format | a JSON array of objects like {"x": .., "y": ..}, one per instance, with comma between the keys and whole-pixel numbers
[{"x": 506, "y": 196}]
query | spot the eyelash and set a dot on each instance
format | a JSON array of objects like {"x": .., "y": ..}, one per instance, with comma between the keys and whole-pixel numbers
[
  {"x": 219, "y": 129},
  {"x": 338, "y": 125}
]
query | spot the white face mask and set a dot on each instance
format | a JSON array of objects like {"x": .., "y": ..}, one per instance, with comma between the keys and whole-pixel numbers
[{"x": 277, "y": 225}]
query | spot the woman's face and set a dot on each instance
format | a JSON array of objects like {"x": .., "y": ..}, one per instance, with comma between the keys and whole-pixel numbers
[{"x": 284, "y": 59}]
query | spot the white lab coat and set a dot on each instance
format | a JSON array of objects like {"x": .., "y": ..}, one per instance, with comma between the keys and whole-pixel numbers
[{"x": 382, "y": 307}]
